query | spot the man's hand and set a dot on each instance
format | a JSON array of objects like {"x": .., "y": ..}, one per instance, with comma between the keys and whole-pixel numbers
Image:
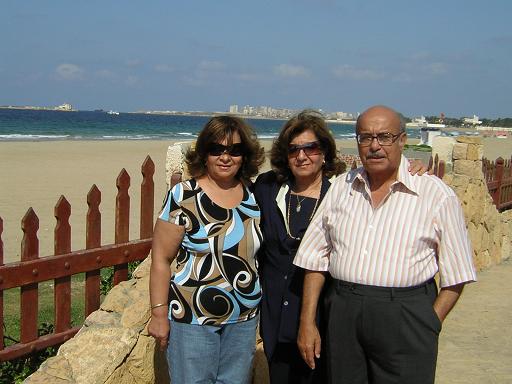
[
  {"x": 309, "y": 343},
  {"x": 447, "y": 299},
  {"x": 416, "y": 166}
]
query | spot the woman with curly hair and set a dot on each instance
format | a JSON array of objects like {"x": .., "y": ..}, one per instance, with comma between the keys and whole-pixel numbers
[{"x": 210, "y": 225}]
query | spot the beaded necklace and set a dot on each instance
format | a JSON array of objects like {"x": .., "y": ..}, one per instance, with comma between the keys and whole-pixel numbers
[{"x": 288, "y": 230}]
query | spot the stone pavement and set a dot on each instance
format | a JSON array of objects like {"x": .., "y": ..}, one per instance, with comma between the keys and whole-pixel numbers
[{"x": 476, "y": 341}]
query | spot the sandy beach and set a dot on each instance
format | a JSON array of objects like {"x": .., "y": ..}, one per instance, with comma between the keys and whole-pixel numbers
[{"x": 36, "y": 174}]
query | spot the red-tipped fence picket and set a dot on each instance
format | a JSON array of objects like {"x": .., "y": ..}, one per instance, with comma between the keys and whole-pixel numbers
[
  {"x": 32, "y": 269},
  {"x": 498, "y": 175}
]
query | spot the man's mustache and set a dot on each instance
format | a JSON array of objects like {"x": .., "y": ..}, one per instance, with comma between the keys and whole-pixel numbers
[{"x": 374, "y": 155}]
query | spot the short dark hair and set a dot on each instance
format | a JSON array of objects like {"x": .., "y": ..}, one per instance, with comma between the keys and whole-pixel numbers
[
  {"x": 312, "y": 120},
  {"x": 217, "y": 129}
]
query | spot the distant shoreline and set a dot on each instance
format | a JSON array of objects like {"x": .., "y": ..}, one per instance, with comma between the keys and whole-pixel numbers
[
  {"x": 33, "y": 108},
  {"x": 476, "y": 130}
]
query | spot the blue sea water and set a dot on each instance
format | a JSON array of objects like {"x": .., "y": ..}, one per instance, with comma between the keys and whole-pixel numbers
[{"x": 36, "y": 125}]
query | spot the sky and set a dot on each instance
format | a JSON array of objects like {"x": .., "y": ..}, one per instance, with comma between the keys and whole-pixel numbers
[{"x": 419, "y": 57}]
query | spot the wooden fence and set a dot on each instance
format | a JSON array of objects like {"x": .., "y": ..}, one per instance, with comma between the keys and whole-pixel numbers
[
  {"x": 498, "y": 175},
  {"x": 59, "y": 267}
]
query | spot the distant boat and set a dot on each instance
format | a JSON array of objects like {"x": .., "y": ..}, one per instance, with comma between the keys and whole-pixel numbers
[{"x": 111, "y": 112}]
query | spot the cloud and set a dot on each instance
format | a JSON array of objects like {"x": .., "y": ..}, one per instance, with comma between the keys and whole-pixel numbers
[
  {"x": 211, "y": 66},
  {"x": 288, "y": 70},
  {"x": 206, "y": 73},
  {"x": 436, "y": 68},
  {"x": 353, "y": 73},
  {"x": 248, "y": 77},
  {"x": 164, "y": 68},
  {"x": 419, "y": 56},
  {"x": 131, "y": 80},
  {"x": 402, "y": 78},
  {"x": 68, "y": 71},
  {"x": 133, "y": 62},
  {"x": 505, "y": 41},
  {"x": 106, "y": 74}
]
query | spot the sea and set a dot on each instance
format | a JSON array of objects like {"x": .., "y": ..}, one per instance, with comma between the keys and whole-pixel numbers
[{"x": 45, "y": 125}]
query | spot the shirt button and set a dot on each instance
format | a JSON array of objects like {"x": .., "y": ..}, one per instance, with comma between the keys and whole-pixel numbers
[
  {"x": 370, "y": 226},
  {"x": 285, "y": 277},
  {"x": 285, "y": 303}
]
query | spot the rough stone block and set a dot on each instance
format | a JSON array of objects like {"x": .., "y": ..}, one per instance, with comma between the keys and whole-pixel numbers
[
  {"x": 460, "y": 151},
  {"x": 475, "y": 235},
  {"x": 482, "y": 260},
  {"x": 95, "y": 354},
  {"x": 468, "y": 168},
  {"x": 118, "y": 298},
  {"x": 486, "y": 239},
  {"x": 54, "y": 370},
  {"x": 138, "y": 367},
  {"x": 475, "y": 152},
  {"x": 469, "y": 139},
  {"x": 142, "y": 269},
  {"x": 137, "y": 314},
  {"x": 442, "y": 146},
  {"x": 460, "y": 181},
  {"x": 506, "y": 247},
  {"x": 101, "y": 319}
]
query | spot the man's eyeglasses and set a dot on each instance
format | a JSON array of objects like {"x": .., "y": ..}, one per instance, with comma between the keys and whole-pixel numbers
[
  {"x": 384, "y": 139},
  {"x": 234, "y": 150},
  {"x": 311, "y": 148}
]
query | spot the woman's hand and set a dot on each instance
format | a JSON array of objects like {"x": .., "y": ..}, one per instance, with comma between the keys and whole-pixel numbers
[
  {"x": 159, "y": 327},
  {"x": 416, "y": 166}
]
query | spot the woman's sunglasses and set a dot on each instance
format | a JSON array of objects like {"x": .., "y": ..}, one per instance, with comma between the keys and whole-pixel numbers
[
  {"x": 234, "y": 150},
  {"x": 311, "y": 148}
]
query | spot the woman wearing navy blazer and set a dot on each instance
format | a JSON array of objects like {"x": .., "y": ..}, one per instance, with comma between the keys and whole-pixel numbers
[{"x": 303, "y": 159}]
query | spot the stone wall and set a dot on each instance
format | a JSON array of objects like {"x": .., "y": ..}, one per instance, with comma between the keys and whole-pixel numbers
[
  {"x": 489, "y": 229},
  {"x": 113, "y": 346}
]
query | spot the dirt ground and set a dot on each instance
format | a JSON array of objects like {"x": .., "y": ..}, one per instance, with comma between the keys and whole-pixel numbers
[{"x": 476, "y": 341}]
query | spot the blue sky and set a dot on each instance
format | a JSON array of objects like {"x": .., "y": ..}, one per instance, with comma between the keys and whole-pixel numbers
[{"x": 420, "y": 57}]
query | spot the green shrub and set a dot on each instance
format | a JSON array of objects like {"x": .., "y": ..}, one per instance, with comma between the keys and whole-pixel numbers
[{"x": 17, "y": 370}]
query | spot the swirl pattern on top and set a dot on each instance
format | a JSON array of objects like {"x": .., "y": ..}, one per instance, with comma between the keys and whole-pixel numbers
[{"x": 216, "y": 280}]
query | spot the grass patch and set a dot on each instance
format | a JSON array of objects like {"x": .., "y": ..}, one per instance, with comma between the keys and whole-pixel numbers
[
  {"x": 45, "y": 307},
  {"x": 15, "y": 371},
  {"x": 419, "y": 147}
]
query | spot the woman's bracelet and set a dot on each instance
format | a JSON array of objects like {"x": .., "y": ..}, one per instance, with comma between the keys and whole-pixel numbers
[{"x": 158, "y": 305}]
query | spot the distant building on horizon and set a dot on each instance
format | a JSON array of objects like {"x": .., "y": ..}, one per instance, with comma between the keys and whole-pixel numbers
[
  {"x": 233, "y": 108},
  {"x": 64, "y": 107},
  {"x": 472, "y": 120}
]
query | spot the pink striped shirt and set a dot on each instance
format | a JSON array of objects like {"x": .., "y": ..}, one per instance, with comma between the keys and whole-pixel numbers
[{"x": 417, "y": 231}]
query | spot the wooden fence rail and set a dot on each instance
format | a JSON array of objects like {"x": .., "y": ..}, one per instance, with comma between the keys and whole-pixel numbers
[
  {"x": 32, "y": 269},
  {"x": 498, "y": 175}
]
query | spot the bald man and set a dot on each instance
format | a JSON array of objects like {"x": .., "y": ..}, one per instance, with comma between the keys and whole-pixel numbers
[{"x": 383, "y": 234}]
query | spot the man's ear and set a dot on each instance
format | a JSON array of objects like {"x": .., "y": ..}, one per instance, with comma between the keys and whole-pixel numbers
[{"x": 402, "y": 140}]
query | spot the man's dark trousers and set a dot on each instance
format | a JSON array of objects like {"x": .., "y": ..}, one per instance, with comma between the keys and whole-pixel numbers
[{"x": 381, "y": 335}]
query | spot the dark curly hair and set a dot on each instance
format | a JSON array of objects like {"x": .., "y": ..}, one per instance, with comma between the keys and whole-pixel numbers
[
  {"x": 312, "y": 120},
  {"x": 217, "y": 129}
]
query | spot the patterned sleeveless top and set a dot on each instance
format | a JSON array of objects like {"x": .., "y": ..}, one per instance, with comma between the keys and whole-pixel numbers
[{"x": 216, "y": 280}]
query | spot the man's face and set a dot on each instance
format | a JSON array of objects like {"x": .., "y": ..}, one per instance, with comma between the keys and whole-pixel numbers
[{"x": 380, "y": 160}]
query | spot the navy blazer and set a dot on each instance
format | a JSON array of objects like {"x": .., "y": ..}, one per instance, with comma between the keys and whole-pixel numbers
[{"x": 281, "y": 281}]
